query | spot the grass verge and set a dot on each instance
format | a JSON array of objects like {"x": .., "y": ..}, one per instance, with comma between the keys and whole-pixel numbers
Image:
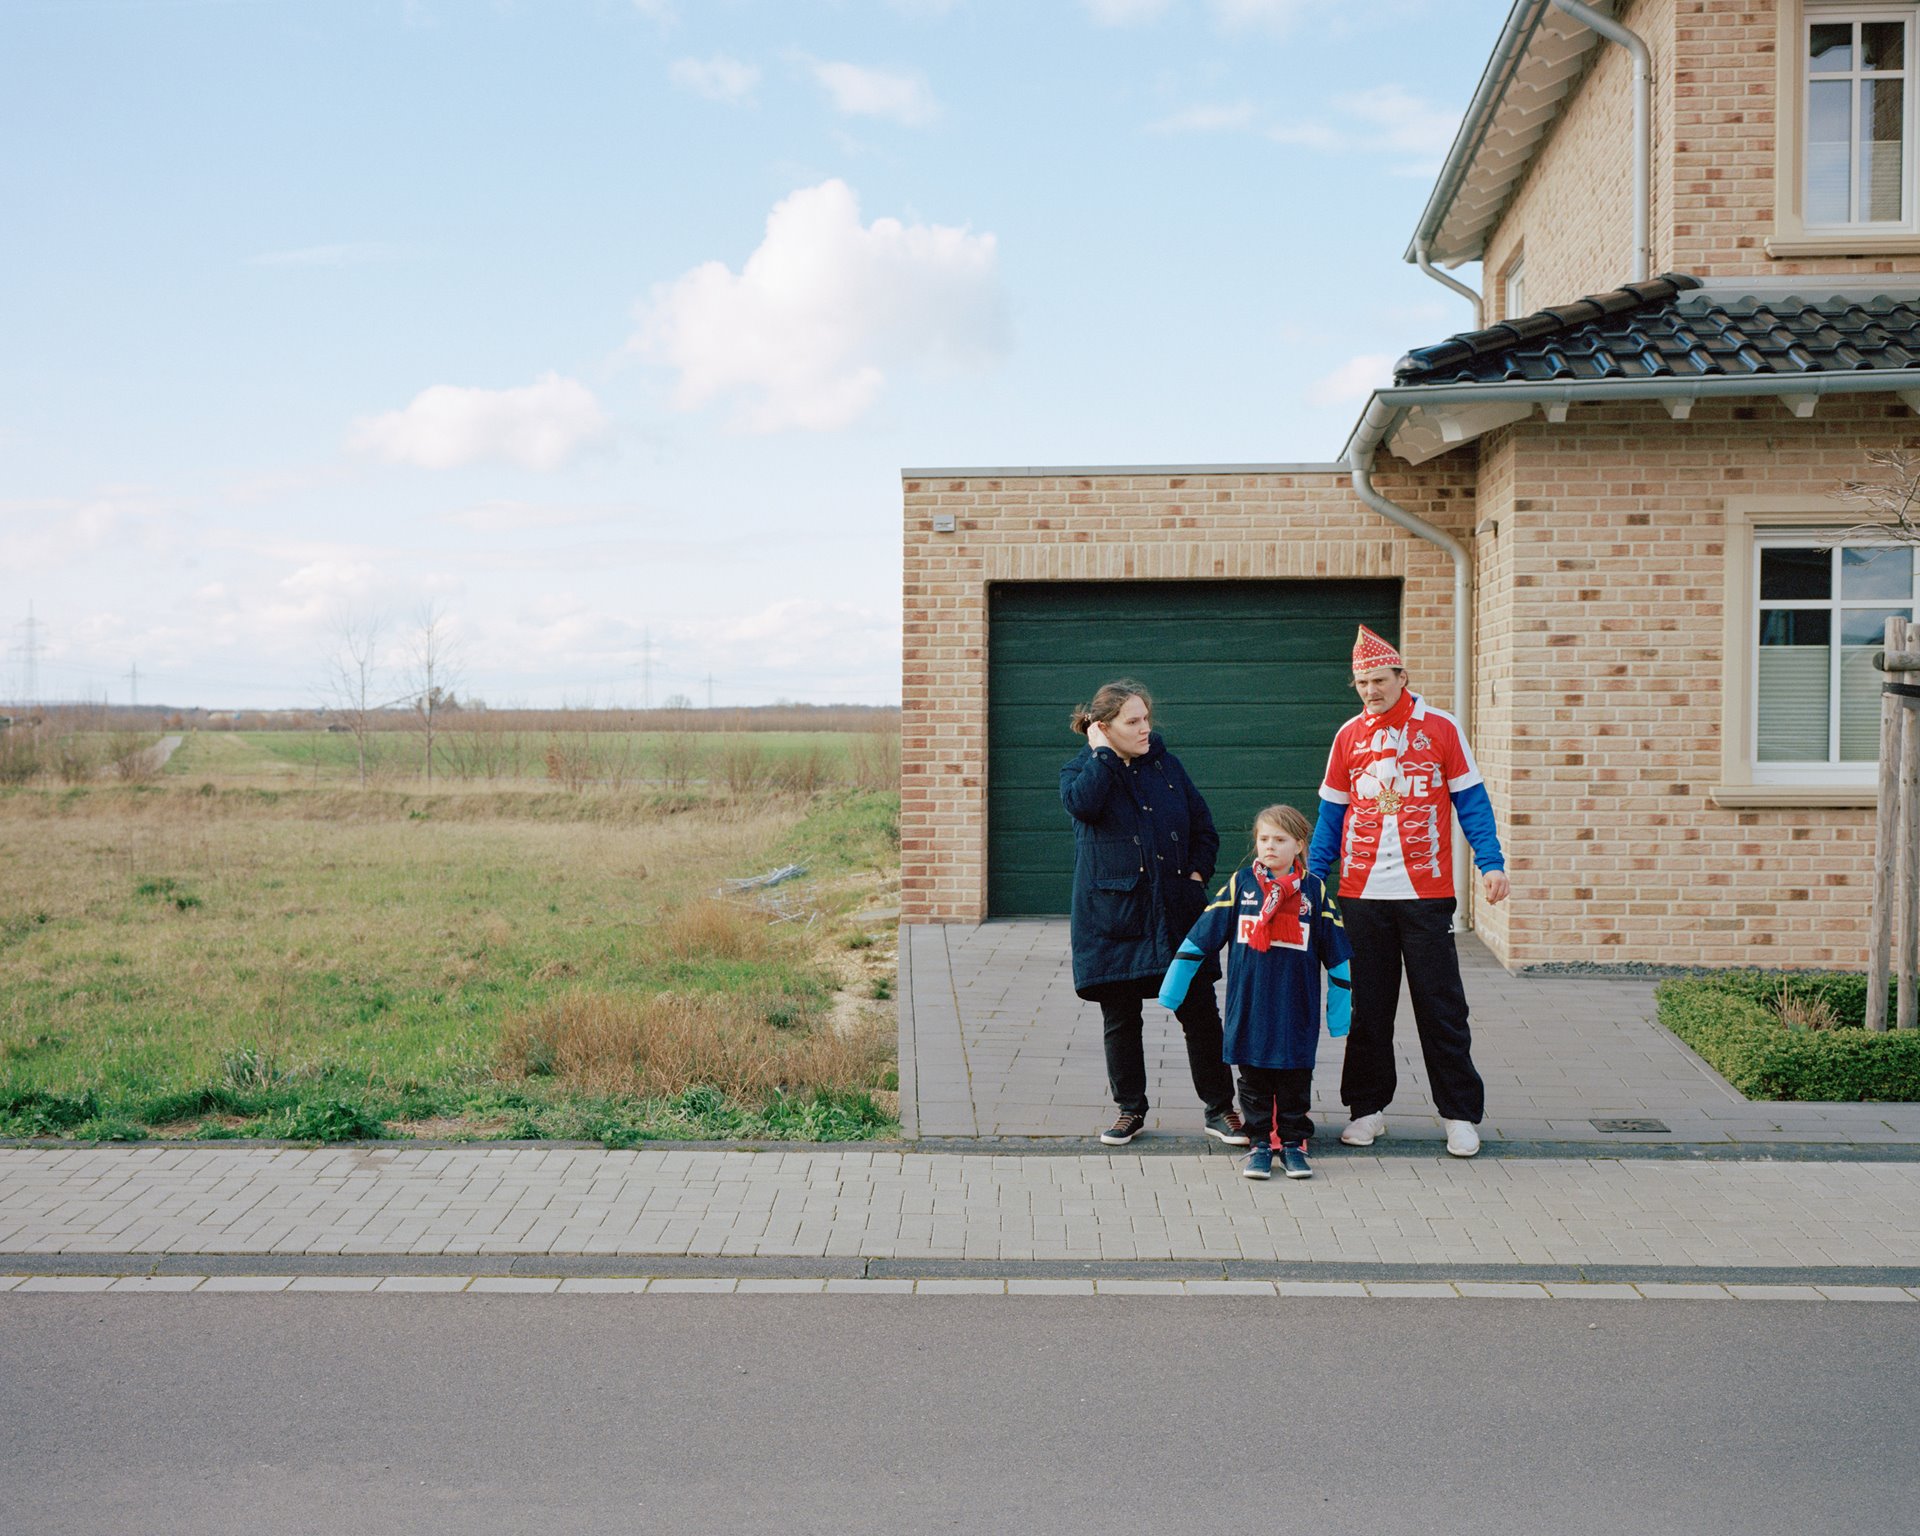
[
  {"x": 321, "y": 965},
  {"x": 1799, "y": 1038}
]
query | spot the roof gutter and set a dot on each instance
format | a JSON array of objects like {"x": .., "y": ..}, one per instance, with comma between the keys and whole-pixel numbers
[
  {"x": 1471, "y": 295},
  {"x": 1360, "y": 454},
  {"x": 1636, "y": 48},
  {"x": 1514, "y": 37}
]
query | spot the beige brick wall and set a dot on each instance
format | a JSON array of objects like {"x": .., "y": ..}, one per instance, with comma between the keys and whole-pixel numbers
[
  {"x": 1715, "y": 116},
  {"x": 1573, "y": 211},
  {"x": 1120, "y": 527},
  {"x": 1494, "y": 657},
  {"x": 1601, "y": 700},
  {"x": 1726, "y": 89}
]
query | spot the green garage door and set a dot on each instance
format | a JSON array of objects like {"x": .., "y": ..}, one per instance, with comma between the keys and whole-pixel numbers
[{"x": 1250, "y": 680}]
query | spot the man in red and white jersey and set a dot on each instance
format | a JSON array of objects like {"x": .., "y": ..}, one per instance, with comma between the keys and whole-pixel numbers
[{"x": 1399, "y": 772}]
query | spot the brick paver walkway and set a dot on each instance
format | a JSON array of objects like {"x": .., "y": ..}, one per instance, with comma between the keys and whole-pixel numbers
[
  {"x": 911, "y": 1205},
  {"x": 994, "y": 1043}
]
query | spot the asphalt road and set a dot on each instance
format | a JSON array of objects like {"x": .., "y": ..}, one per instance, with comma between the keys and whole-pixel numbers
[{"x": 291, "y": 1414}]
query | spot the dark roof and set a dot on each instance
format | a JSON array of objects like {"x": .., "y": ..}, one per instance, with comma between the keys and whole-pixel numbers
[{"x": 1665, "y": 328}]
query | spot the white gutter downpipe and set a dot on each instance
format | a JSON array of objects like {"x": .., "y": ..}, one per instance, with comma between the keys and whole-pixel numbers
[
  {"x": 1636, "y": 47},
  {"x": 1372, "y": 432},
  {"x": 1447, "y": 278}
]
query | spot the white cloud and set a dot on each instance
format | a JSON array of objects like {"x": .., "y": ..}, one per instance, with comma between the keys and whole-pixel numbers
[
  {"x": 1272, "y": 15},
  {"x": 1220, "y": 118},
  {"x": 1124, "y": 13},
  {"x": 896, "y": 95},
  {"x": 1353, "y": 380},
  {"x": 521, "y": 516},
  {"x": 661, "y": 11},
  {"x": 1383, "y": 119},
  {"x": 803, "y": 334},
  {"x": 719, "y": 78},
  {"x": 539, "y": 426}
]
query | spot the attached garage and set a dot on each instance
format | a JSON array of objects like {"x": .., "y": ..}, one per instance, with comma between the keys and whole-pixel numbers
[{"x": 1250, "y": 680}]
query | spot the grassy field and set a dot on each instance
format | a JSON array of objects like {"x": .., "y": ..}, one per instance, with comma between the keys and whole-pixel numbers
[
  {"x": 800, "y": 761},
  {"x": 206, "y": 958}
]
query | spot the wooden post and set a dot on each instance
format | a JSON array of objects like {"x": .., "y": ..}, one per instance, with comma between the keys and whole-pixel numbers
[
  {"x": 1886, "y": 833},
  {"x": 1909, "y": 1009}
]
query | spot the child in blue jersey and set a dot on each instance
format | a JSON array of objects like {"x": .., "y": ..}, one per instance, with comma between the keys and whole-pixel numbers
[{"x": 1283, "y": 930}]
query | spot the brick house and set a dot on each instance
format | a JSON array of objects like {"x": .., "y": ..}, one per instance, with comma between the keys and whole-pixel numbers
[{"x": 1602, "y": 522}]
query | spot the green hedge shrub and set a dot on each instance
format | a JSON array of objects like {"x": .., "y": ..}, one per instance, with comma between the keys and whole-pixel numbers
[{"x": 1730, "y": 1020}]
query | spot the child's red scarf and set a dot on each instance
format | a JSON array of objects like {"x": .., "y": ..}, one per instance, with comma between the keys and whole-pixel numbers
[{"x": 1279, "y": 907}]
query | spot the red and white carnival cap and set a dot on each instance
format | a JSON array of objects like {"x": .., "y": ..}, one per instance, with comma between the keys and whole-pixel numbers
[{"x": 1370, "y": 651}]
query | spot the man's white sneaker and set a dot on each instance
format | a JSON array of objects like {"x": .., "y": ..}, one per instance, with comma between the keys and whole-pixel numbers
[
  {"x": 1364, "y": 1130},
  {"x": 1462, "y": 1139}
]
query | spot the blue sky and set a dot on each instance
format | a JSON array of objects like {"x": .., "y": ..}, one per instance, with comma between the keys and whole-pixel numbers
[{"x": 605, "y": 326}]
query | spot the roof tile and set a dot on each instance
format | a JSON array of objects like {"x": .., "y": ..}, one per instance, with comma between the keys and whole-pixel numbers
[{"x": 1662, "y": 329}]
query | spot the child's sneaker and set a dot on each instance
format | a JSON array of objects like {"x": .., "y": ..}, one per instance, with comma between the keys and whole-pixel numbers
[
  {"x": 1257, "y": 1164},
  {"x": 1293, "y": 1160}
]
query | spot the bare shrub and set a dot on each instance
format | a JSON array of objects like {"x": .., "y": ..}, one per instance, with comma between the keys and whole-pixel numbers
[
  {"x": 132, "y": 757},
  {"x": 569, "y": 761},
  {"x": 743, "y": 767},
  {"x": 711, "y": 929},
  {"x": 77, "y": 756},
  {"x": 23, "y": 752},
  {"x": 873, "y": 758},
  {"x": 655, "y": 1047},
  {"x": 802, "y": 772},
  {"x": 678, "y": 753},
  {"x": 1804, "y": 1010}
]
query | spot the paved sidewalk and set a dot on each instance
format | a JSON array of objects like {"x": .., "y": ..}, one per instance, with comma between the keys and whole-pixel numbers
[
  {"x": 1360, "y": 1208},
  {"x": 994, "y": 1043}
]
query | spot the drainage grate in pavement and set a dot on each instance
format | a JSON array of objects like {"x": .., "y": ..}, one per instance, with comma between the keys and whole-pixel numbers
[{"x": 1657, "y": 1127}]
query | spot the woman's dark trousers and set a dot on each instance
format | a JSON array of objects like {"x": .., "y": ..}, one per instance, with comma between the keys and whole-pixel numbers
[
  {"x": 1418, "y": 933},
  {"x": 1274, "y": 1102},
  {"x": 1199, "y": 1017}
]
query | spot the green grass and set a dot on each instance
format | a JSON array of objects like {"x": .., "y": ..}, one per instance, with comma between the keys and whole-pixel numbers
[
  {"x": 1734, "y": 1020},
  {"x": 518, "y": 756},
  {"x": 324, "y": 964}
]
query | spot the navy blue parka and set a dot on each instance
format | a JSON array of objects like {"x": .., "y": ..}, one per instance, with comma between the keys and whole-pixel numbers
[{"x": 1140, "y": 831}]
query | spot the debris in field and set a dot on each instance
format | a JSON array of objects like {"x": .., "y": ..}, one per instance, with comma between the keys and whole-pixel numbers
[
  {"x": 781, "y": 908},
  {"x": 773, "y": 877}
]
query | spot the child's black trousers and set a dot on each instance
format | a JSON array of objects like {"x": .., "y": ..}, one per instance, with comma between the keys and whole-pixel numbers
[{"x": 1274, "y": 1102}]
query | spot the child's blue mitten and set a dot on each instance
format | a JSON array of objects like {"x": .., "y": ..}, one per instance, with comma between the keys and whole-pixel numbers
[{"x": 1339, "y": 1001}]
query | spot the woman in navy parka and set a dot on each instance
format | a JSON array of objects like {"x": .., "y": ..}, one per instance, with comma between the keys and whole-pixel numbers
[{"x": 1144, "y": 846}]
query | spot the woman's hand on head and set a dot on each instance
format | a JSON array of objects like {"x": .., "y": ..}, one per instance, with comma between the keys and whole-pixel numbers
[{"x": 1097, "y": 737}]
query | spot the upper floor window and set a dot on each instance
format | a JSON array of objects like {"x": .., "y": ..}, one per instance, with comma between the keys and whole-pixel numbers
[
  {"x": 1514, "y": 295},
  {"x": 1858, "y": 110},
  {"x": 1821, "y": 615}
]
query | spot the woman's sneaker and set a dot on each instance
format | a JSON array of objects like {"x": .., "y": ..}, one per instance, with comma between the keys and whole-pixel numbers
[
  {"x": 1293, "y": 1160},
  {"x": 1124, "y": 1129},
  {"x": 1227, "y": 1126},
  {"x": 1257, "y": 1164}
]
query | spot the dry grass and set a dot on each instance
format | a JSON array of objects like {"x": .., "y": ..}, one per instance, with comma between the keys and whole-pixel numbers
[
  {"x": 660, "y": 1046},
  {"x": 1804, "y": 1010},
  {"x": 712, "y": 929}
]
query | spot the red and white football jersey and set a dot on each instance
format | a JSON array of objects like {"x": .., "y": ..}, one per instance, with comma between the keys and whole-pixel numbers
[{"x": 1396, "y": 773}]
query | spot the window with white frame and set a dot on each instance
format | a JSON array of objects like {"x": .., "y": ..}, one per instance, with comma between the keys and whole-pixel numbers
[
  {"x": 1822, "y": 613},
  {"x": 1858, "y": 74},
  {"x": 1514, "y": 298}
]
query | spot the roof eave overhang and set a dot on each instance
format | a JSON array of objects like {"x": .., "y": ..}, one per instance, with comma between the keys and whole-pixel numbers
[
  {"x": 1528, "y": 76},
  {"x": 1418, "y": 422}
]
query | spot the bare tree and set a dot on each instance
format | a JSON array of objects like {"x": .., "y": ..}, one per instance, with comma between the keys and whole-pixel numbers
[
  {"x": 353, "y": 678},
  {"x": 1892, "y": 496},
  {"x": 431, "y": 675}
]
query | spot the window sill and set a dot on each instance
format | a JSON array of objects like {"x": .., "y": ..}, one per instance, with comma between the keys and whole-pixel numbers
[
  {"x": 1812, "y": 796},
  {"x": 1781, "y": 248}
]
